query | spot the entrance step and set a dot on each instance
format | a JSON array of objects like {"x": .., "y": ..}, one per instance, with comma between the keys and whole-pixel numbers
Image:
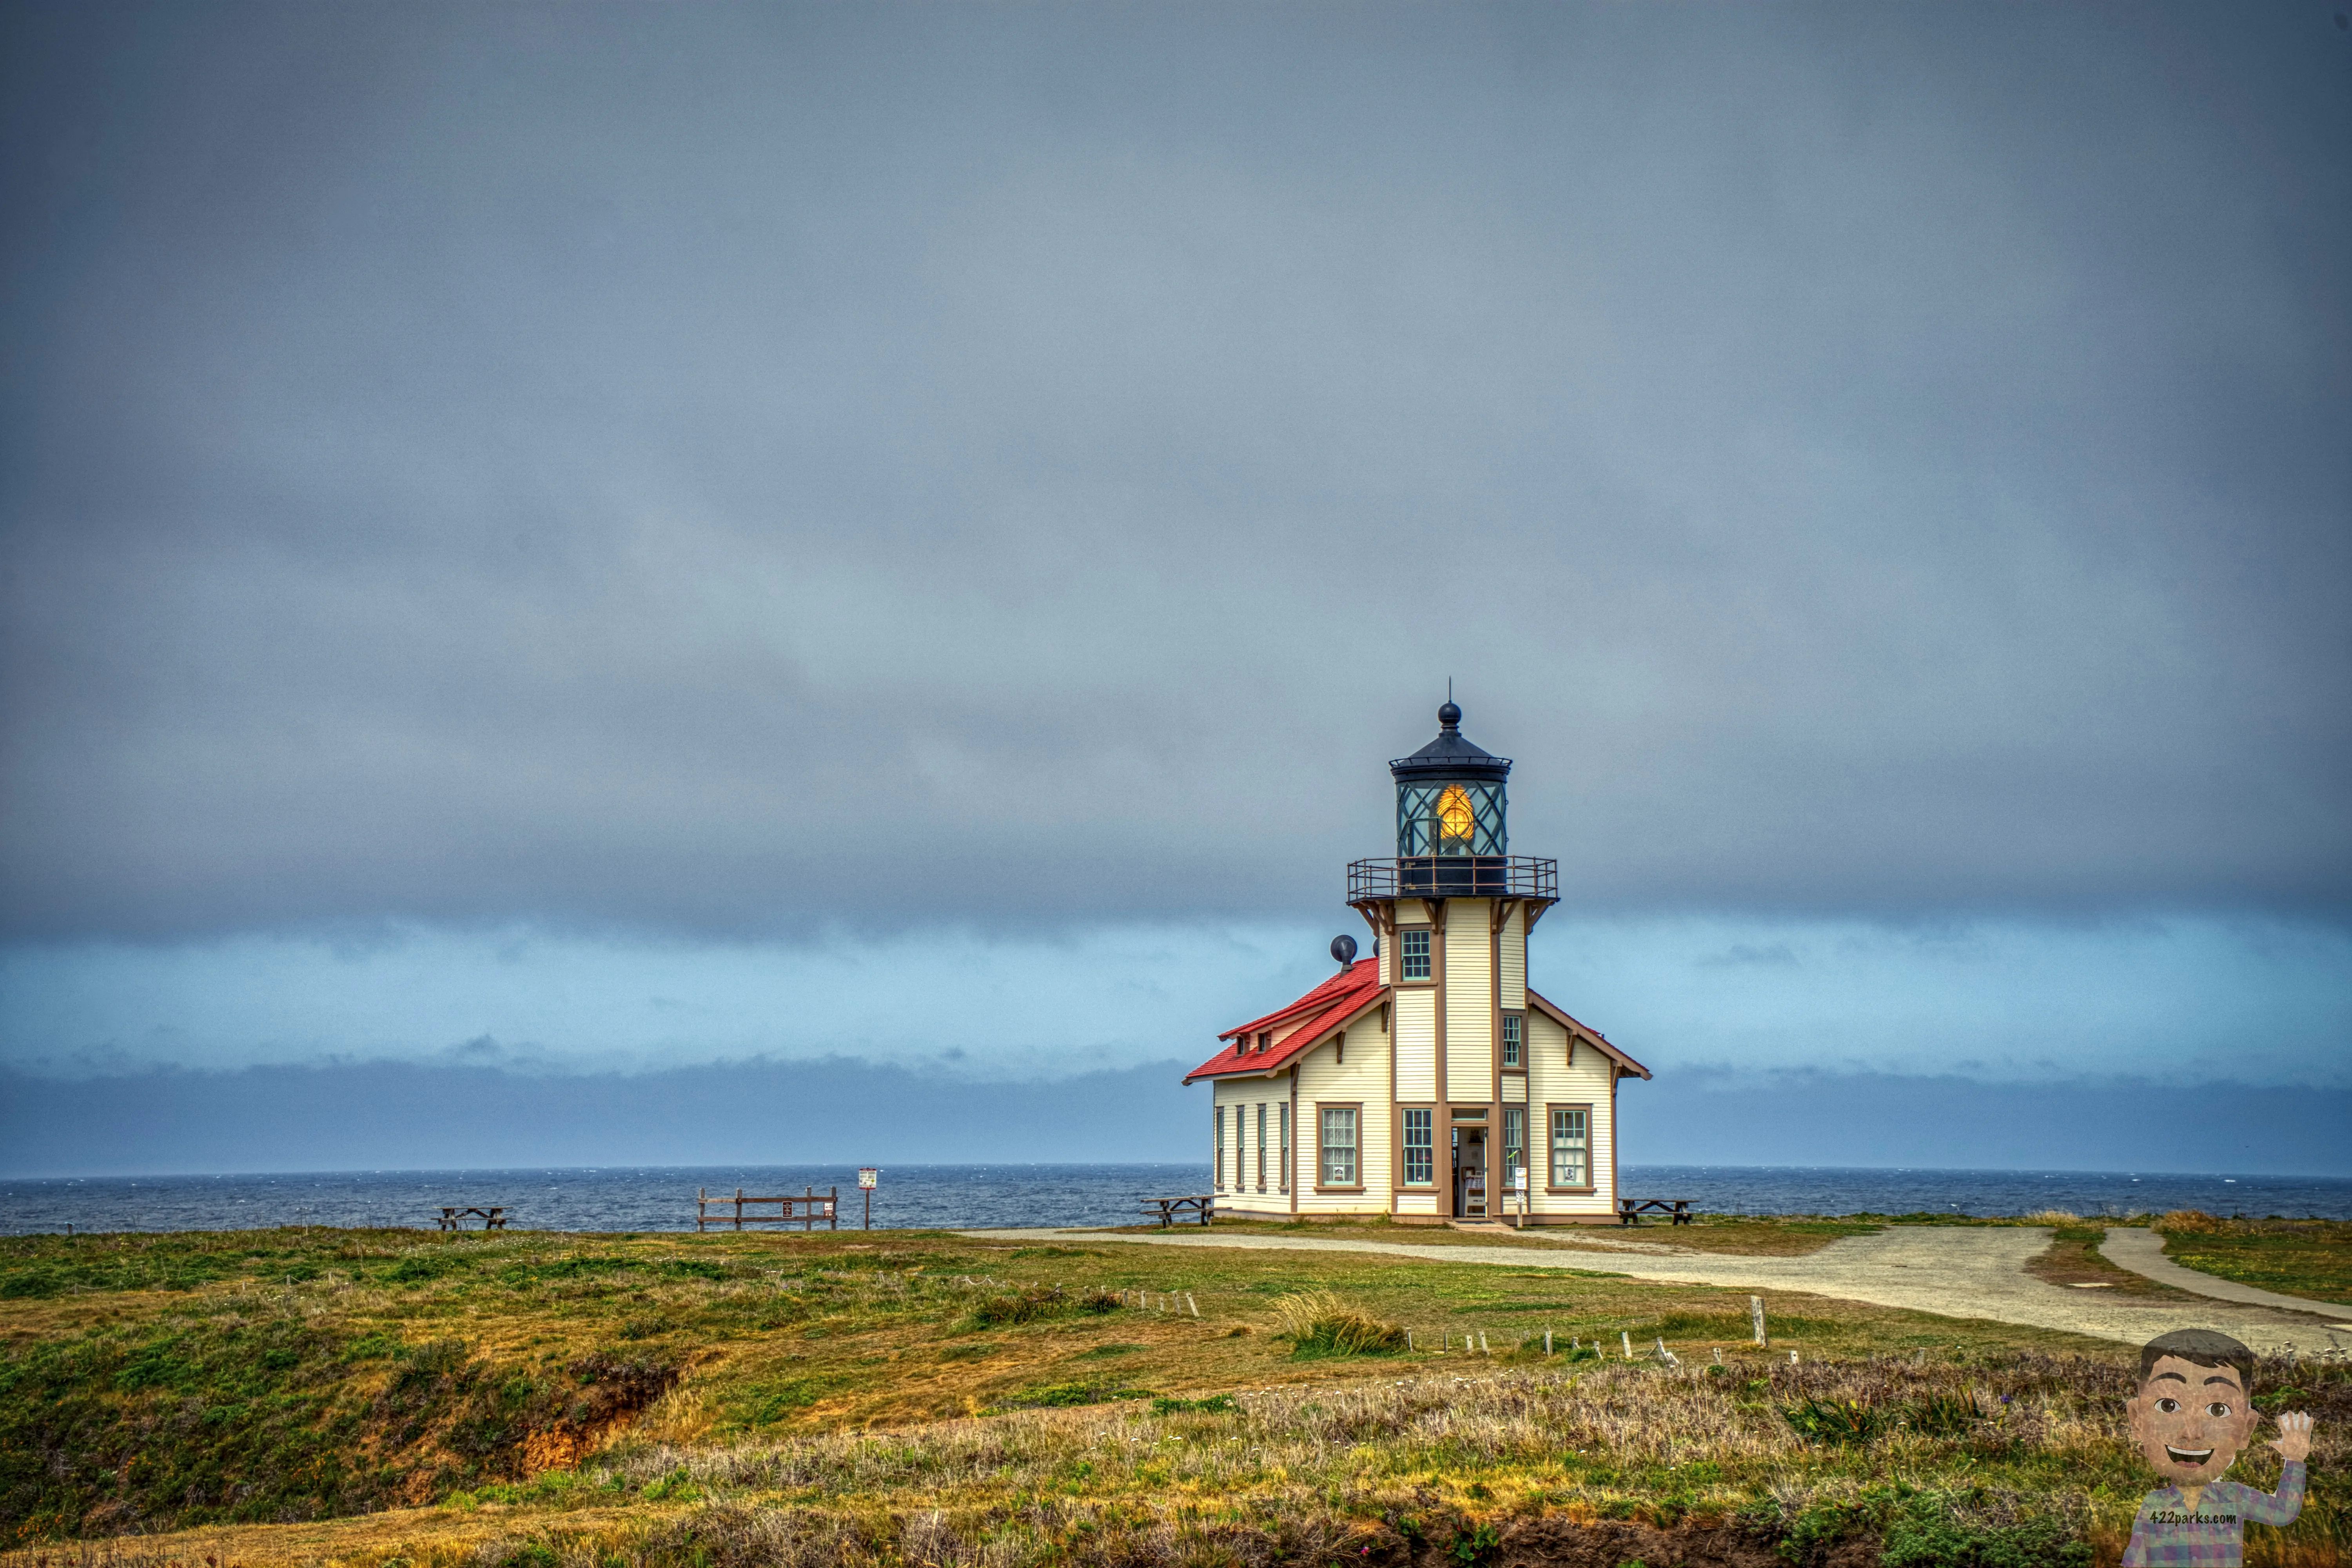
[{"x": 1477, "y": 1225}]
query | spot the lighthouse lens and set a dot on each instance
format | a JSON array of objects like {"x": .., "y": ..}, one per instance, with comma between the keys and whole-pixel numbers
[{"x": 1455, "y": 819}]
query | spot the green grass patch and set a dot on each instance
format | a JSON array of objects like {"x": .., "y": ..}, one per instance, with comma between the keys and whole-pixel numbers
[
  {"x": 2295, "y": 1257},
  {"x": 1062, "y": 1395}
]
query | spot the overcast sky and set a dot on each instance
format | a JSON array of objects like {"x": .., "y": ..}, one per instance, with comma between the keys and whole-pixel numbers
[{"x": 626, "y": 534}]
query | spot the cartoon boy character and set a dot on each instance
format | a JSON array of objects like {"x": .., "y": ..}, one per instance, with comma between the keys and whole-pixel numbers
[{"x": 2192, "y": 1416}]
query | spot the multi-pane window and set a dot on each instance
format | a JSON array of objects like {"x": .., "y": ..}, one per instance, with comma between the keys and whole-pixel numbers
[
  {"x": 1571, "y": 1146},
  {"x": 1413, "y": 952},
  {"x": 1220, "y": 1148},
  {"x": 1513, "y": 1039},
  {"x": 1420, "y": 1149},
  {"x": 1285, "y": 1146},
  {"x": 1339, "y": 1162},
  {"x": 1515, "y": 1147},
  {"x": 1260, "y": 1145},
  {"x": 1451, "y": 819}
]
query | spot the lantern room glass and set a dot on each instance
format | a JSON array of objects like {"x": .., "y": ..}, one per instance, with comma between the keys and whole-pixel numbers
[{"x": 1450, "y": 817}]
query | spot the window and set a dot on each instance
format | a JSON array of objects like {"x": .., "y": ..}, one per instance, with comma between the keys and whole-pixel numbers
[
  {"x": 1220, "y": 1148},
  {"x": 1514, "y": 1035},
  {"x": 1420, "y": 1151},
  {"x": 1260, "y": 1145},
  {"x": 1515, "y": 1147},
  {"x": 1571, "y": 1146},
  {"x": 1285, "y": 1146},
  {"x": 1451, "y": 819},
  {"x": 1338, "y": 1162},
  {"x": 1265, "y": 1039},
  {"x": 1412, "y": 949}
]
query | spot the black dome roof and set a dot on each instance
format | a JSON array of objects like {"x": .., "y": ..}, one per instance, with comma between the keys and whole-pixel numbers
[{"x": 1450, "y": 756}]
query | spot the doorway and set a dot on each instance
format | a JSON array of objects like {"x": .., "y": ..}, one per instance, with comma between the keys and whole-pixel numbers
[{"x": 1470, "y": 1172}]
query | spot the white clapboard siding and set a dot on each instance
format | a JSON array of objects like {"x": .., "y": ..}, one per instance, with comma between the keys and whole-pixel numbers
[
  {"x": 1416, "y": 1045},
  {"x": 1362, "y": 1079},
  {"x": 1514, "y": 971},
  {"x": 1552, "y": 1080},
  {"x": 1470, "y": 1000}
]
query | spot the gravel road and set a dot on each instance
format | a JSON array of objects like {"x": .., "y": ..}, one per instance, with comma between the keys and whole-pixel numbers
[{"x": 1954, "y": 1271}]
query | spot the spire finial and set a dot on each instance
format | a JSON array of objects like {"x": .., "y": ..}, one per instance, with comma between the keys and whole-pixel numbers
[{"x": 1449, "y": 716}]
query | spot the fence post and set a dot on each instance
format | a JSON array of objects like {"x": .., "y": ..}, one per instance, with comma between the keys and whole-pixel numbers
[
  {"x": 1625, "y": 1338},
  {"x": 739, "y": 1208},
  {"x": 1756, "y": 1318},
  {"x": 832, "y": 1206}
]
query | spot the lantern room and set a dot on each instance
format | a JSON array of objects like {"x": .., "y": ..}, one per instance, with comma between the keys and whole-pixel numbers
[{"x": 1453, "y": 833}]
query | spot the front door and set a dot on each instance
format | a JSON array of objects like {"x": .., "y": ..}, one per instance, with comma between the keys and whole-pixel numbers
[{"x": 1470, "y": 1171}]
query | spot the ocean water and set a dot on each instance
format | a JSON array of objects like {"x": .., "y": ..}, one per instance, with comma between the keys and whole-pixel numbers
[{"x": 647, "y": 1198}]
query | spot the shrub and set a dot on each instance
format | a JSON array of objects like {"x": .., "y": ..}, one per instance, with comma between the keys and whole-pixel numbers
[
  {"x": 1833, "y": 1420},
  {"x": 1214, "y": 1405},
  {"x": 1037, "y": 1302},
  {"x": 2190, "y": 1221},
  {"x": 1320, "y": 1324}
]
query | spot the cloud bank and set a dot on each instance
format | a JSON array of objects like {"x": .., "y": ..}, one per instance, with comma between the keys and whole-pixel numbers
[{"x": 728, "y": 470}]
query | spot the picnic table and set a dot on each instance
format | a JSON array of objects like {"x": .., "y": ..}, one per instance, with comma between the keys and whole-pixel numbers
[
  {"x": 1167, "y": 1211},
  {"x": 454, "y": 1218},
  {"x": 1630, "y": 1210}
]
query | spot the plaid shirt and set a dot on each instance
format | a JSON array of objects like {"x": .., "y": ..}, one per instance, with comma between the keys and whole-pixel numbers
[{"x": 2166, "y": 1533}]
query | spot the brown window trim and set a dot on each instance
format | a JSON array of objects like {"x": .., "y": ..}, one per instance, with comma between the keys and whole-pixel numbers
[
  {"x": 1589, "y": 1187},
  {"x": 1436, "y": 1122},
  {"x": 1436, "y": 941},
  {"x": 1357, "y": 1106}
]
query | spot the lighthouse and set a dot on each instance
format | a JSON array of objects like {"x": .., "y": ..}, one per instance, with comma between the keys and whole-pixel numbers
[{"x": 1429, "y": 1081}]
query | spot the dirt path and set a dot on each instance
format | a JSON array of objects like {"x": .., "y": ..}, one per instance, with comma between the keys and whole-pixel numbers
[
  {"x": 1954, "y": 1271},
  {"x": 2142, "y": 1252}
]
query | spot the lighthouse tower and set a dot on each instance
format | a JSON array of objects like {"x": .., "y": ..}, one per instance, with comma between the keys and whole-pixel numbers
[{"x": 1427, "y": 1081}]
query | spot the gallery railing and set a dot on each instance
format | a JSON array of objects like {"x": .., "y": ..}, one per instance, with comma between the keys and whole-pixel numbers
[{"x": 1454, "y": 877}]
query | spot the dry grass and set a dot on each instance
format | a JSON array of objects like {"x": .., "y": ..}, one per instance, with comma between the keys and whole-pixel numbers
[
  {"x": 1317, "y": 1323},
  {"x": 1294, "y": 1473},
  {"x": 831, "y": 1386}
]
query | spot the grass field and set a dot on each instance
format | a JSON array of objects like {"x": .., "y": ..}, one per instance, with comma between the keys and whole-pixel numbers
[
  {"x": 397, "y": 1399},
  {"x": 2310, "y": 1257}
]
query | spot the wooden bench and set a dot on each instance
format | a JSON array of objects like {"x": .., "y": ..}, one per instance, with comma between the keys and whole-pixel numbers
[
  {"x": 1167, "y": 1211},
  {"x": 807, "y": 1211},
  {"x": 1630, "y": 1210},
  {"x": 455, "y": 1218}
]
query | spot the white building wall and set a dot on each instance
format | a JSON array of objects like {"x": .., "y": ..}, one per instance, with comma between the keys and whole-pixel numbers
[
  {"x": 1514, "y": 971},
  {"x": 1416, "y": 1043},
  {"x": 1363, "y": 1079},
  {"x": 1241, "y": 1097},
  {"x": 1470, "y": 1000},
  {"x": 1552, "y": 1080}
]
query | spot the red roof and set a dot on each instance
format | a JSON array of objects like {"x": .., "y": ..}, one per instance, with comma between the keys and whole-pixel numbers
[
  {"x": 1334, "y": 1005},
  {"x": 1330, "y": 1005}
]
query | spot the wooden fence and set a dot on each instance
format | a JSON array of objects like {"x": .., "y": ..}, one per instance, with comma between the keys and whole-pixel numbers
[{"x": 804, "y": 1211}]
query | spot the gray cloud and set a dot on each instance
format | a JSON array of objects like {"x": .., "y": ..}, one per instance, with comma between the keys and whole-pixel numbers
[{"x": 717, "y": 469}]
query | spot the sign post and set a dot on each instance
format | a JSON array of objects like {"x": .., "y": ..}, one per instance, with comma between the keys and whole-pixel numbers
[{"x": 868, "y": 1176}]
